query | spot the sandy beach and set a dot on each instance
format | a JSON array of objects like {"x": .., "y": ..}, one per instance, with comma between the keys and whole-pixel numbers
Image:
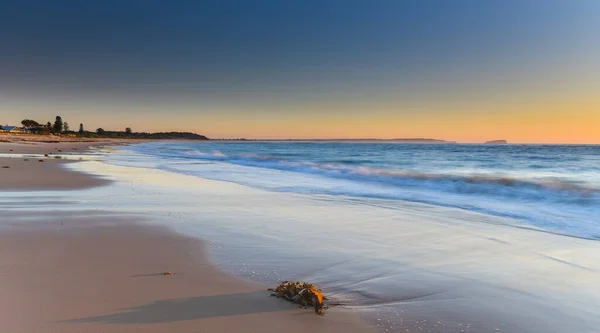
[
  {"x": 36, "y": 171},
  {"x": 103, "y": 271}
]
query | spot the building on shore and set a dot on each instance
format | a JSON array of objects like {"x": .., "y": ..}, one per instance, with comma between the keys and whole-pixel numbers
[
  {"x": 10, "y": 129},
  {"x": 40, "y": 129}
]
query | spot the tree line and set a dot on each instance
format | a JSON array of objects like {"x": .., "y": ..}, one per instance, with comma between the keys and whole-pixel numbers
[
  {"x": 58, "y": 127},
  {"x": 62, "y": 127}
]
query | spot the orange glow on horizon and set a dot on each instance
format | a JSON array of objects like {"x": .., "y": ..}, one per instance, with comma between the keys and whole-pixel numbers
[{"x": 568, "y": 120}]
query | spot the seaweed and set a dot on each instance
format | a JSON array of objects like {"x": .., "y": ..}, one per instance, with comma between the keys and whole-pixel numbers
[{"x": 301, "y": 293}]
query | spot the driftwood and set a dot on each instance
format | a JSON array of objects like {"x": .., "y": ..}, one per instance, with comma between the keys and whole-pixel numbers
[{"x": 304, "y": 294}]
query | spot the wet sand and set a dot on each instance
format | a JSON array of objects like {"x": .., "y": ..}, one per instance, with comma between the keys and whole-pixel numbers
[
  {"x": 103, "y": 272},
  {"x": 29, "y": 174},
  {"x": 36, "y": 171}
]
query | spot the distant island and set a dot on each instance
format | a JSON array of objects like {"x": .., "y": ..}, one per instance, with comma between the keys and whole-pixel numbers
[
  {"x": 61, "y": 128},
  {"x": 496, "y": 142}
]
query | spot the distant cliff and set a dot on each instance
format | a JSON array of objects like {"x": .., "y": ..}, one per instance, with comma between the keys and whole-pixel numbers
[{"x": 496, "y": 142}]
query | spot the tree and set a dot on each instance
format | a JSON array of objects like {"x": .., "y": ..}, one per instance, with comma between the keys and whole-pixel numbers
[
  {"x": 58, "y": 125},
  {"x": 29, "y": 123},
  {"x": 100, "y": 131},
  {"x": 128, "y": 130},
  {"x": 66, "y": 126},
  {"x": 49, "y": 125},
  {"x": 80, "y": 128}
]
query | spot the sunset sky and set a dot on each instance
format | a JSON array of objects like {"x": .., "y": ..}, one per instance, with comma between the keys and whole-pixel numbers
[{"x": 466, "y": 70}]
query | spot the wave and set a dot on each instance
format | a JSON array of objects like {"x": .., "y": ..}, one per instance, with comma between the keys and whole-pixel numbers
[
  {"x": 490, "y": 185},
  {"x": 553, "y": 204}
]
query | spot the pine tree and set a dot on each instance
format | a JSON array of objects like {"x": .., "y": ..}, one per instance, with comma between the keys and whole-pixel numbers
[{"x": 58, "y": 125}]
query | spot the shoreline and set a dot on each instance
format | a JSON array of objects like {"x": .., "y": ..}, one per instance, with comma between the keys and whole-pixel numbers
[
  {"x": 71, "y": 271},
  {"x": 402, "y": 265},
  {"x": 434, "y": 268},
  {"x": 24, "y": 166}
]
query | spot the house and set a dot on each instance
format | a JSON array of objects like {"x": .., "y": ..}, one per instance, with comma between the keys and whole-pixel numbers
[
  {"x": 40, "y": 129},
  {"x": 10, "y": 129},
  {"x": 43, "y": 130}
]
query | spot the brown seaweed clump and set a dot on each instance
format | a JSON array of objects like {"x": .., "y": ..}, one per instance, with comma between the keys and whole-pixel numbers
[{"x": 304, "y": 294}]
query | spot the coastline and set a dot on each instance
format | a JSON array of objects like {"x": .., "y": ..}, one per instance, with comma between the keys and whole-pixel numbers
[
  {"x": 402, "y": 265},
  {"x": 26, "y": 167},
  {"x": 101, "y": 271},
  {"x": 416, "y": 266}
]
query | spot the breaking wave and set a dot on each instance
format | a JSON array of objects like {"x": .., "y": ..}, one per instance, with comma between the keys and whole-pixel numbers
[
  {"x": 556, "y": 204},
  {"x": 499, "y": 186}
]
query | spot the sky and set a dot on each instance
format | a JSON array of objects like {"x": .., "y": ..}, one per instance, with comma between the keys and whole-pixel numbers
[{"x": 465, "y": 70}]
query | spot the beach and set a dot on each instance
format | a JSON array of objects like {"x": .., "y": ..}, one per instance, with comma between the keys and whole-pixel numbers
[
  {"x": 397, "y": 250},
  {"x": 102, "y": 270},
  {"x": 29, "y": 172},
  {"x": 223, "y": 166}
]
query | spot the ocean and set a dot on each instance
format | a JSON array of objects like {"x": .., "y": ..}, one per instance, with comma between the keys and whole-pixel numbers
[
  {"x": 555, "y": 188},
  {"x": 414, "y": 237}
]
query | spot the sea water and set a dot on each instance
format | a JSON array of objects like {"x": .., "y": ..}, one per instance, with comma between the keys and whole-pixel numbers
[
  {"x": 419, "y": 237},
  {"x": 555, "y": 188}
]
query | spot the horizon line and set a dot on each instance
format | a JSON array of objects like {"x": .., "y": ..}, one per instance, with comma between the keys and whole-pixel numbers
[{"x": 399, "y": 140}]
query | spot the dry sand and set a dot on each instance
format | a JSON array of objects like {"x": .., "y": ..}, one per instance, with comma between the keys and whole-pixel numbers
[{"x": 104, "y": 274}]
